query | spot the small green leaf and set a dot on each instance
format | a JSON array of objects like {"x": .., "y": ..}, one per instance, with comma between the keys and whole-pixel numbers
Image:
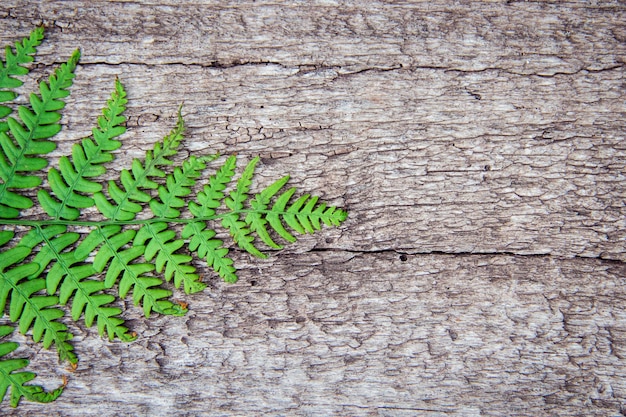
[{"x": 278, "y": 210}]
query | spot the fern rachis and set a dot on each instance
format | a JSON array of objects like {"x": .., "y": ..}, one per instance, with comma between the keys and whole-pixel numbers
[{"x": 148, "y": 229}]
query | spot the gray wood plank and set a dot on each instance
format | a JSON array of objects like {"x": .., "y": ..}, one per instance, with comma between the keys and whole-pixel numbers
[
  {"x": 337, "y": 333},
  {"x": 536, "y": 167}
]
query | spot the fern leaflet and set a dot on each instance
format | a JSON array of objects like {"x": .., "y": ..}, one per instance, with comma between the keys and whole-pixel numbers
[
  {"x": 162, "y": 242},
  {"x": 38, "y": 123},
  {"x": 71, "y": 184},
  {"x": 301, "y": 217},
  {"x": 14, "y": 65},
  {"x": 201, "y": 239},
  {"x": 29, "y": 309},
  {"x": 238, "y": 230},
  {"x": 137, "y": 182},
  {"x": 125, "y": 264},
  {"x": 255, "y": 219}
]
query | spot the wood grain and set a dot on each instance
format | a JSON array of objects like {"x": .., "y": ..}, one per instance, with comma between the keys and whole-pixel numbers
[
  {"x": 480, "y": 150},
  {"x": 337, "y": 333}
]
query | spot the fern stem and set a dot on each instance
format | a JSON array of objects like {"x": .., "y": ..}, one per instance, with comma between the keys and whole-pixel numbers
[{"x": 134, "y": 222}]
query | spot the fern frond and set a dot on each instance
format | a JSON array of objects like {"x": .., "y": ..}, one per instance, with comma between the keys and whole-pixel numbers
[
  {"x": 211, "y": 196},
  {"x": 56, "y": 264},
  {"x": 304, "y": 215},
  {"x": 68, "y": 274},
  {"x": 244, "y": 223},
  {"x": 256, "y": 219},
  {"x": 127, "y": 202},
  {"x": 11, "y": 376},
  {"x": 160, "y": 242},
  {"x": 238, "y": 230},
  {"x": 29, "y": 137},
  {"x": 278, "y": 209},
  {"x": 71, "y": 183},
  {"x": 53, "y": 242},
  {"x": 177, "y": 185},
  {"x": 128, "y": 197},
  {"x": 123, "y": 264},
  {"x": 18, "y": 288},
  {"x": 202, "y": 239},
  {"x": 13, "y": 64},
  {"x": 88, "y": 298}
]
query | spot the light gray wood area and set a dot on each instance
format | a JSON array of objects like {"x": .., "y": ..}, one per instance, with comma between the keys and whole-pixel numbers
[
  {"x": 338, "y": 333},
  {"x": 480, "y": 150}
]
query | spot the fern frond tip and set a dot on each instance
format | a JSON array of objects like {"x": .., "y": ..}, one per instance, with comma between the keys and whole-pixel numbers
[{"x": 11, "y": 376}]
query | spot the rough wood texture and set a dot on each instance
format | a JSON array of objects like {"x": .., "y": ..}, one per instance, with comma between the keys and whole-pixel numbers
[{"x": 480, "y": 151}]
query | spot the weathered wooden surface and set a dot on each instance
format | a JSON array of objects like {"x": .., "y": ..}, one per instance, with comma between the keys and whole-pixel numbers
[{"x": 480, "y": 151}]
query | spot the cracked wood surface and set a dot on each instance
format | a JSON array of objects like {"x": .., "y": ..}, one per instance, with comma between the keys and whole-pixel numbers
[{"x": 479, "y": 149}]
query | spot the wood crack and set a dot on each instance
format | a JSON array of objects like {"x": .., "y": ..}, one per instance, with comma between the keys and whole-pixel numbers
[{"x": 404, "y": 253}]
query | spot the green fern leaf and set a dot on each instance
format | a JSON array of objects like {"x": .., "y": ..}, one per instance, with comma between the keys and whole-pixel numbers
[
  {"x": 302, "y": 216},
  {"x": 305, "y": 215},
  {"x": 28, "y": 309},
  {"x": 256, "y": 219},
  {"x": 123, "y": 264},
  {"x": 162, "y": 246},
  {"x": 140, "y": 178},
  {"x": 37, "y": 236},
  {"x": 238, "y": 230},
  {"x": 54, "y": 240},
  {"x": 69, "y": 275},
  {"x": 146, "y": 289},
  {"x": 307, "y": 218},
  {"x": 160, "y": 242},
  {"x": 278, "y": 209},
  {"x": 6, "y": 236},
  {"x": 87, "y": 159},
  {"x": 113, "y": 239},
  {"x": 177, "y": 185},
  {"x": 29, "y": 138},
  {"x": 201, "y": 239},
  {"x": 127, "y": 199},
  {"x": 14, "y": 65},
  {"x": 291, "y": 217},
  {"x": 10, "y": 377}
]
